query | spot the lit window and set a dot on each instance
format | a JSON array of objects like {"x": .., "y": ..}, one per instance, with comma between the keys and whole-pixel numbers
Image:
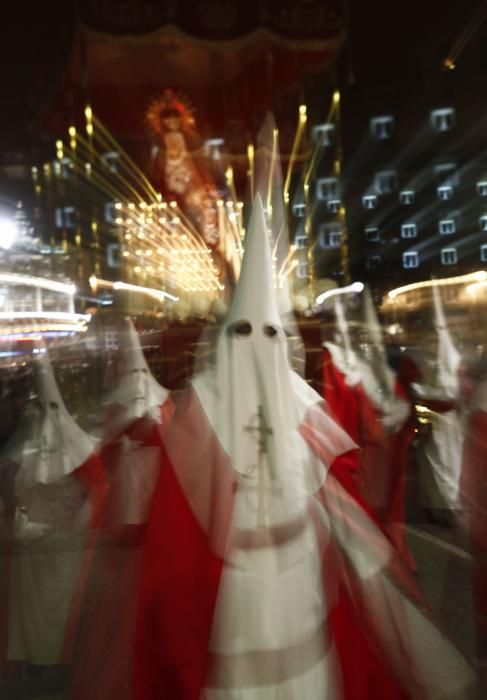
[
  {"x": 410, "y": 259},
  {"x": 442, "y": 119},
  {"x": 111, "y": 159},
  {"x": 302, "y": 270},
  {"x": 406, "y": 196},
  {"x": 409, "y": 231},
  {"x": 372, "y": 262},
  {"x": 113, "y": 255},
  {"x": 324, "y": 134},
  {"x": 66, "y": 167},
  {"x": 483, "y": 252},
  {"x": 299, "y": 210},
  {"x": 444, "y": 192},
  {"x": 333, "y": 206},
  {"x": 110, "y": 214},
  {"x": 330, "y": 236},
  {"x": 446, "y": 227},
  {"x": 382, "y": 127},
  {"x": 482, "y": 188},
  {"x": 372, "y": 234},
  {"x": 212, "y": 148},
  {"x": 483, "y": 222},
  {"x": 385, "y": 182},
  {"x": 369, "y": 201},
  {"x": 65, "y": 217},
  {"x": 448, "y": 256},
  {"x": 301, "y": 241},
  {"x": 327, "y": 188}
]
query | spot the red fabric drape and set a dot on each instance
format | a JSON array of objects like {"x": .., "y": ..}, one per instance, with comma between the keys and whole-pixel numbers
[
  {"x": 178, "y": 591},
  {"x": 378, "y": 471}
]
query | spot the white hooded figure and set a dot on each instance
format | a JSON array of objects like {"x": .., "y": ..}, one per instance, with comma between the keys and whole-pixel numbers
[
  {"x": 380, "y": 468},
  {"x": 378, "y": 379},
  {"x": 271, "y": 636},
  {"x": 137, "y": 393},
  {"x": 342, "y": 354},
  {"x": 133, "y": 465},
  {"x": 271, "y": 595},
  {"x": 441, "y": 452},
  {"x": 51, "y": 521}
]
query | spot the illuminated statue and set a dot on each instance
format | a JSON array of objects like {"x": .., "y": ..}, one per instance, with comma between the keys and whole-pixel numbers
[{"x": 171, "y": 120}]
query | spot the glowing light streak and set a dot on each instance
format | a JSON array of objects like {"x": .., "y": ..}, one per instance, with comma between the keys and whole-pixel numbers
[
  {"x": 118, "y": 187},
  {"x": 48, "y": 315},
  {"x": 126, "y": 161},
  {"x": 294, "y": 150},
  {"x": 32, "y": 331},
  {"x": 41, "y": 282},
  {"x": 231, "y": 184},
  {"x": 354, "y": 288},
  {"x": 275, "y": 135},
  {"x": 288, "y": 257},
  {"x": 164, "y": 234},
  {"x": 475, "y": 21},
  {"x": 125, "y": 286},
  {"x": 124, "y": 184},
  {"x": 286, "y": 272},
  {"x": 480, "y": 276},
  {"x": 251, "y": 159},
  {"x": 334, "y": 108},
  {"x": 473, "y": 288}
]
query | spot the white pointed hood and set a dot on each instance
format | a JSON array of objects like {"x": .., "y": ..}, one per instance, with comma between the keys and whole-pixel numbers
[
  {"x": 448, "y": 357},
  {"x": 269, "y": 185},
  {"x": 255, "y": 294},
  {"x": 137, "y": 390},
  {"x": 48, "y": 444},
  {"x": 252, "y": 383},
  {"x": 378, "y": 376},
  {"x": 343, "y": 356},
  {"x": 378, "y": 379}
]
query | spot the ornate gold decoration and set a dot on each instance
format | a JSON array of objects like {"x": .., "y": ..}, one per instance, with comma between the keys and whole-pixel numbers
[{"x": 170, "y": 112}]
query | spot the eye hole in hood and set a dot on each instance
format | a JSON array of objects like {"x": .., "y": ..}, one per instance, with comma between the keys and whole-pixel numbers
[
  {"x": 270, "y": 331},
  {"x": 240, "y": 328}
]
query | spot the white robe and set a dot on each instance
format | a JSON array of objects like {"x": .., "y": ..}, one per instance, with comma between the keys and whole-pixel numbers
[
  {"x": 440, "y": 454},
  {"x": 45, "y": 564},
  {"x": 269, "y": 631}
]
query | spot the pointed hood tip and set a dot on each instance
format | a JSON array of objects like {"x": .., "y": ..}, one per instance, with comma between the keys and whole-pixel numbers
[{"x": 255, "y": 295}]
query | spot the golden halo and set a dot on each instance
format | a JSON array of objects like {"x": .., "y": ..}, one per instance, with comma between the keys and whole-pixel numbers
[{"x": 169, "y": 101}]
